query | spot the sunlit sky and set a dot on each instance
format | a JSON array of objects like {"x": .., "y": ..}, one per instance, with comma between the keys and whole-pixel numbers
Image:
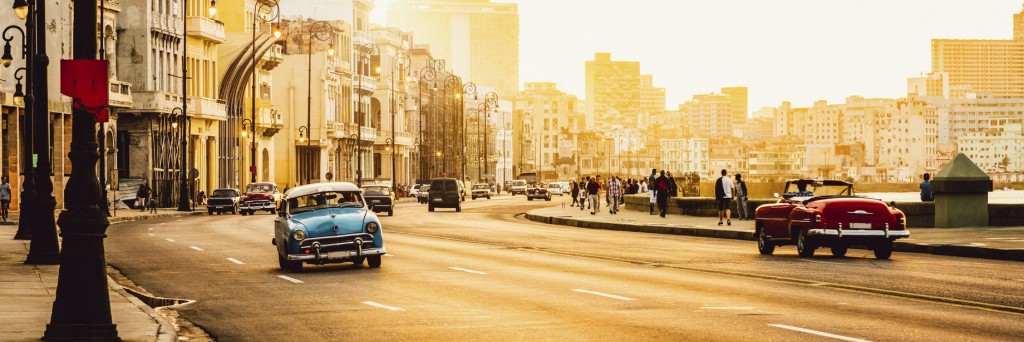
[{"x": 795, "y": 50}]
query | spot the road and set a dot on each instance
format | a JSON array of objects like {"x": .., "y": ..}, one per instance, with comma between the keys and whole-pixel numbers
[{"x": 486, "y": 274}]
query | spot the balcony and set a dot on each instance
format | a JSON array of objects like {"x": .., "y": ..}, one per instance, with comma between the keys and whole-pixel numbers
[
  {"x": 360, "y": 38},
  {"x": 120, "y": 94},
  {"x": 270, "y": 121},
  {"x": 210, "y": 109},
  {"x": 206, "y": 28},
  {"x": 365, "y": 84},
  {"x": 369, "y": 133},
  {"x": 273, "y": 58},
  {"x": 154, "y": 101},
  {"x": 167, "y": 24}
]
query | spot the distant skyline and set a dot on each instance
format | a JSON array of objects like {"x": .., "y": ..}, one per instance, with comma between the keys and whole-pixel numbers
[{"x": 795, "y": 50}]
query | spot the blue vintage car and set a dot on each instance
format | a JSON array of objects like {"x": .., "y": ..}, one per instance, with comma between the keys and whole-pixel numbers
[{"x": 326, "y": 223}]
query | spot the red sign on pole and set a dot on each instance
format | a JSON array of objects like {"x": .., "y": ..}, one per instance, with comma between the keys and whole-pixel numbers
[{"x": 87, "y": 83}]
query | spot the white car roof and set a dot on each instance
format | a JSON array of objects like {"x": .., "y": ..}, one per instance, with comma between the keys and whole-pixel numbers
[{"x": 308, "y": 189}]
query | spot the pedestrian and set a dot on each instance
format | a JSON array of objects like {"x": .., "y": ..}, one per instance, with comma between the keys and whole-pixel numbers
[
  {"x": 653, "y": 188},
  {"x": 643, "y": 186},
  {"x": 151, "y": 201},
  {"x": 584, "y": 193},
  {"x": 926, "y": 189},
  {"x": 723, "y": 197},
  {"x": 141, "y": 196},
  {"x": 661, "y": 185},
  {"x": 575, "y": 193},
  {"x": 673, "y": 188},
  {"x": 614, "y": 192},
  {"x": 593, "y": 189},
  {"x": 5, "y": 198},
  {"x": 201, "y": 197},
  {"x": 600, "y": 185},
  {"x": 741, "y": 198}
]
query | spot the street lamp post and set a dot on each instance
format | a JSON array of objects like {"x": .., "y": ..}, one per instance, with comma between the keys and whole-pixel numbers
[
  {"x": 490, "y": 103},
  {"x": 321, "y": 30},
  {"x": 273, "y": 12},
  {"x": 400, "y": 60},
  {"x": 81, "y": 308},
  {"x": 365, "y": 51},
  {"x": 469, "y": 88},
  {"x": 426, "y": 74}
]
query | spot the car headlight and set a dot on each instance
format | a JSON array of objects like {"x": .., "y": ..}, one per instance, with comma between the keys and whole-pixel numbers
[
  {"x": 299, "y": 235},
  {"x": 372, "y": 227}
]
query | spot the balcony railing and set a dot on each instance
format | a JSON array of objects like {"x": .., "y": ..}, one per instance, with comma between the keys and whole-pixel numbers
[
  {"x": 206, "y": 28},
  {"x": 120, "y": 94},
  {"x": 166, "y": 23},
  {"x": 360, "y": 37},
  {"x": 208, "y": 108},
  {"x": 369, "y": 133},
  {"x": 365, "y": 84}
]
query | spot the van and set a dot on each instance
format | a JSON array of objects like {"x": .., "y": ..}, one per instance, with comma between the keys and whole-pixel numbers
[{"x": 444, "y": 193}]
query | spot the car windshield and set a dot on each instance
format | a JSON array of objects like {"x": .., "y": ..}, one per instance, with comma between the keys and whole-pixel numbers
[
  {"x": 377, "y": 191},
  {"x": 324, "y": 200},
  {"x": 816, "y": 189},
  {"x": 518, "y": 183},
  {"x": 224, "y": 193},
  {"x": 553, "y": 186},
  {"x": 259, "y": 188},
  {"x": 480, "y": 186}
]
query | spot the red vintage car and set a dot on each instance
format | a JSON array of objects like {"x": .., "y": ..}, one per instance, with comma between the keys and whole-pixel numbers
[
  {"x": 539, "y": 192},
  {"x": 824, "y": 213},
  {"x": 260, "y": 197}
]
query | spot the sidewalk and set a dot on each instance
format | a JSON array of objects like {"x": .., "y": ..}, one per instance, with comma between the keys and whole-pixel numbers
[
  {"x": 1002, "y": 243},
  {"x": 27, "y": 292}
]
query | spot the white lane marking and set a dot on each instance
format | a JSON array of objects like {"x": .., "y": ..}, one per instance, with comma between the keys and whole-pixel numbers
[
  {"x": 382, "y": 306},
  {"x": 163, "y": 223},
  {"x": 389, "y": 255},
  {"x": 978, "y": 244},
  {"x": 236, "y": 261},
  {"x": 170, "y": 240},
  {"x": 821, "y": 262},
  {"x": 603, "y": 294},
  {"x": 290, "y": 279},
  {"x": 1001, "y": 238},
  {"x": 196, "y": 248},
  {"x": 465, "y": 270},
  {"x": 819, "y": 333},
  {"x": 151, "y": 234},
  {"x": 727, "y": 308},
  {"x": 150, "y": 229}
]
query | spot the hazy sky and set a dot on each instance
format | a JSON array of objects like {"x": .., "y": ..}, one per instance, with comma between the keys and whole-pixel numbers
[{"x": 796, "y": 50}]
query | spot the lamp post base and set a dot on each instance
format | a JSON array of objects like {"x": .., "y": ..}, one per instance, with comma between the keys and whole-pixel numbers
[
  {"x": 81, "y": 332},
  {"x": 44, "y": 249}
]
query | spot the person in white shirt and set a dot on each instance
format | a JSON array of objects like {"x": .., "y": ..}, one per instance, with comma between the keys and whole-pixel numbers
[{"x": 723, "y": 197}]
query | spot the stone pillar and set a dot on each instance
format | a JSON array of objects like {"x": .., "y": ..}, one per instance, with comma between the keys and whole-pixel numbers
[{"x": 961, "y": 194}]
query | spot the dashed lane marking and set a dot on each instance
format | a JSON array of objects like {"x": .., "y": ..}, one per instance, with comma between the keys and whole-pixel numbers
[
  {"x": 382, "y": 306},
  {"x": 236, "y": 261},
  {"x": 467, "y": 270},
  {"x": 389, "y": 255},
  {"x": 196, "y": 248},
  {"x": 151, "y": 234},
  {"x": 603, "y": 294},
  {"x": 819, "y": 333},
  {"x": 727, "y": 308},
  {"x": 170, "y": 240},
  {"x": 150, "y": 229},
  {"x": 293, "y": 280}
]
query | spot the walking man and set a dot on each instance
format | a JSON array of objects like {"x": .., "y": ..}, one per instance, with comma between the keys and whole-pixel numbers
[
  {"x": 5, "y": 198},
  {"x": 614, "y": 191},
  {"x": 723, "y": 197},
  {"x": 741, "y": 198},
  {"x": 661, "y": 185},
  {"x": 593, "y": 188},
  {"x": 654, "y": 188}
]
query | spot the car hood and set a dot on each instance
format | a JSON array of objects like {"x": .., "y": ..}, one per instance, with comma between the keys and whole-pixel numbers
[{"x": 322, "y": 222}]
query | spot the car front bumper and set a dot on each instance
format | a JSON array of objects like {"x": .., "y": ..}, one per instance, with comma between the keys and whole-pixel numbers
[
  {"x": 887, "y": 234},
  {"x": 336, "y": 256},
  {"x": 257, "y": 205}
]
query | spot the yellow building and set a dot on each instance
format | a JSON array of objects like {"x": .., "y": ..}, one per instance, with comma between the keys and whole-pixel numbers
[
  {"x": 479, "y": 39},
  {"x": 979, "y": 65}
]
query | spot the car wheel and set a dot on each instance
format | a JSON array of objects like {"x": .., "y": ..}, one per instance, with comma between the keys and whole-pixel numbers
[
  {"x": 373, "y": 261},
  {"x": 883, "y": 249},
  {"x": 548, "y": 199},
  {"x": 209, "y": 212},
  {"x": 273, "y": 211},
  {"x": 839, "y": 249},
  {"x": 391, "y": 212},
  {"x": 488, "y": 197},
  {"x": 474, "y": 198},
  {"x": 358, "y": 261},
  {"x": 804, "y": 247},
  {"x": 458, "y": 208},
  {"x": 291, "y": 266},
  {"x": 430, "y": 207},
  {"x": 764, "y": 245},
  {"x": 529, "y": 198},
  {"x": 234, "y": 210}
]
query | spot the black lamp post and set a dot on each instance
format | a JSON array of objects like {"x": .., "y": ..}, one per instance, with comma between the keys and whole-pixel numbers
[
  {"x": 490, "y": 103},
  {"x": 28, "y": 184},
  {"x": 399, "y": 61},
  {"x": 322, "y": 31},
  {"x": 81, "y": 310},
  {"x": 266, "y": 13},
  {"x": 366, "y": 51},
  {"x": 426, "y": 74}
]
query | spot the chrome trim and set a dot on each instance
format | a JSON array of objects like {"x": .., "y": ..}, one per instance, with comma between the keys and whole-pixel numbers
[
  {"x": 859, "y": 212},
  {"x": 310, "y": 257},
  {"x": 802, "y": 221},
  {"x": 879, "y": 233},
  {"x": 772, "y": 219}
]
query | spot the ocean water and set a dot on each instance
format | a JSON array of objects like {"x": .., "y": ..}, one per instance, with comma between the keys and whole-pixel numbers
[{"x": 998, "y": 196}]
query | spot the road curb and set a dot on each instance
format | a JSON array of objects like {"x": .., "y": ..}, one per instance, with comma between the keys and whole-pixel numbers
[
  {"x": 123, "y": 219},
  {"x": 967, "y": 251},
  {"x": 166, "y": 332}
]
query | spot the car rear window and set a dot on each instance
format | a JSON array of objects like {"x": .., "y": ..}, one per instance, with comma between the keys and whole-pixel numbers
[
  {"x": 378, "y": 190},
  {"x": 445, "y": 184}
]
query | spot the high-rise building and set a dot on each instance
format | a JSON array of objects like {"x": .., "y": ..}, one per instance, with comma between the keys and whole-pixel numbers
[
  {"x": 708, "y": 115},
  {"x": 738, "y": 97},
  {"x": 979, "y": 65},
  {"x": 479, "y": 39},
  {"x": 652, "y": 101},
  {"x": 613, "y": 90},
  {"x": 551, "y": 110}
]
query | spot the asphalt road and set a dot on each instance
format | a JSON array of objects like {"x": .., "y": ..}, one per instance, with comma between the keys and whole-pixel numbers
[{"x": 485, "y": 274}]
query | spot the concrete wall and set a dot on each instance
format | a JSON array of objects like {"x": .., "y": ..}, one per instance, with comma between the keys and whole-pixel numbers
[
  {"x": 919, "y": 214},
  {"x": 767, "y": 189}
]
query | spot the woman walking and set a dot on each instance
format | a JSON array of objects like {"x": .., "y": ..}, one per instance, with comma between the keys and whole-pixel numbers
[{"x": 575, "y": 193}]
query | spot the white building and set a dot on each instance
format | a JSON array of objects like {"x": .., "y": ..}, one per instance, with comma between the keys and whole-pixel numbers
[
  {"x": 686, "y": 155},
  {"x": 999, "y": 148}
]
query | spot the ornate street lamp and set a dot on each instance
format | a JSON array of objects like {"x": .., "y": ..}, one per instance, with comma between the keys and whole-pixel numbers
[
  {"x": 490, "y": 103},
  {"x": 265, "y": 12},
  {"x": 7, "y": 58},
  {"x": 399, "y": 61},
  {"x": 20, "y": 9},
  {"x": 322, "y": 31},
  {"x": 427, "y": 74},
  {"x": 303, "y": 132},
  {"x": 366, "y": 52}
]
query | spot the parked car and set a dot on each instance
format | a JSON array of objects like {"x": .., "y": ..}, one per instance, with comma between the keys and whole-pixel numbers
[
  {"x": 812, "y": 214},
  {"x": 260, "y": 197},
  {"x": 223, "y": 201},
  {"x": 379, "y": 198},
  {"x": 518, "y": 187},
  {"x": 539, "y": 192},
  {"x": 444, "y": 193},
  {"x": 326, "y": 223},
  {"x": 555, "y": 189},
  {"x": 482, "y": 190},
  {"x": 424, "y": 194},
  {"x": 462, "y": 190},
  {"x": 565, "y": 186},
  {"x": 414, "y": 190}
]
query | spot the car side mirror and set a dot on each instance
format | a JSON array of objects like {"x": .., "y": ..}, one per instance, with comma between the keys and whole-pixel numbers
[{"x": 776, "y": 195}]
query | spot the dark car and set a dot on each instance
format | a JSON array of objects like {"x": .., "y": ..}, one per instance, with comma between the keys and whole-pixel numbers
[
  {"x": 444, "y": 193},
  {"x": 423, "y": 194},
  {"x": 223, "y": 201},
  {"x": 812, "y": 214},
  {"x": 379, "y": 198}
]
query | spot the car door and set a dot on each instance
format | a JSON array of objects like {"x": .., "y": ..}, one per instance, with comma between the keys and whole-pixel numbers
[{"x": 775, "y": 218}]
